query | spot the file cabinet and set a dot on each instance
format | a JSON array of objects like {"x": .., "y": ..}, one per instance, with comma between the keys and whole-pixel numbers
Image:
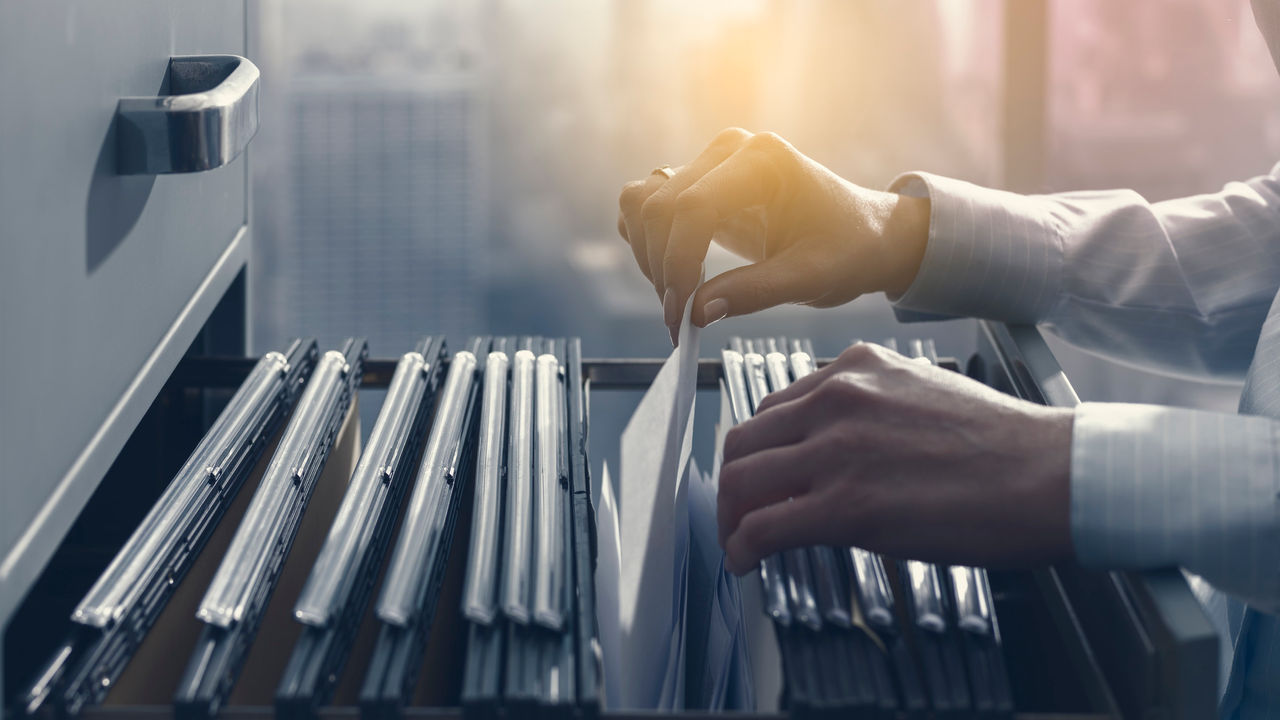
[{"x": 107, "y": 278}]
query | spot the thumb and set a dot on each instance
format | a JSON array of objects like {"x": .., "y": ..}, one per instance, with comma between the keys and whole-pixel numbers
[{"x": 751, "y": 288}]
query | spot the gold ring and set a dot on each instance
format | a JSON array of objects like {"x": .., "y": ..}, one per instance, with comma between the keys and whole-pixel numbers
[{"x": 665, "y": 171}]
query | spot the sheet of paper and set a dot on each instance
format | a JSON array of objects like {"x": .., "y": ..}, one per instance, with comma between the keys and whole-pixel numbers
[
  {"x": 673, "y": 683},
  {"x": 723, "y": 424},
  {"x": 755, "y": 677},
  {"x": 727, "y": 638},
  {"x": 710, "y": 646},
  {"x": 600, "y": 479},
  {"x": 608, "y": 566},
  {"x": 655, "y": 452},
  {"x": 740, "y": 693}
]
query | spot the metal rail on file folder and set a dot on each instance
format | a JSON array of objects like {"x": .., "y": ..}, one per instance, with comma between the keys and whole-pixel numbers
[
  {"x": 923, "y": 582},
  {"x": 746, "y": 384},
  {"x": 121, "y": 584},
  {"x": 425, "y": 519},
  {"x": 517, "y": 581},
  {"x": 871, "y": 584},
  {"x": 326, "y": 590},
  {"x": 549, "y": 496},
  {"x": 583, "y": 535},
  {"x": 109, "y": 622},
  {"x": 824, "y": 561},
  {"x": 337, "y": 592},
  {"x": 415, "y": 576},
  {"x": 479, "y": 600},
  {"x": 240, "y": 573},
  {"x": 233, "y": 605},
  {"x": 800, "y": 582}
]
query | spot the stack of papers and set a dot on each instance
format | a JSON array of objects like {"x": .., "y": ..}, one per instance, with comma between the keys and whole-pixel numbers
[
  {"x": 718, "y": 669},
  {"x": 671, "y": 619}
]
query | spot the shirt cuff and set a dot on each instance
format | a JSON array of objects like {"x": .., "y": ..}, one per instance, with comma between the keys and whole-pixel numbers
[
  {"x": 1156, "y": 486},
  {"x": 991, "y": 254}
]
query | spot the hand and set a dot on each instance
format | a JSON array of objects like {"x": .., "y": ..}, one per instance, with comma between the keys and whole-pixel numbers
[
  {"x": 899, "y": 457},
  {"x": 812, "y": 237}
]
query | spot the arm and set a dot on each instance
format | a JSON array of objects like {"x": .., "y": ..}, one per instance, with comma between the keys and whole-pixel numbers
[
  {"x": 1155, "y": 486},
  {"x": 1181, "y": 285},
  {"x": 875, "y": 443}
]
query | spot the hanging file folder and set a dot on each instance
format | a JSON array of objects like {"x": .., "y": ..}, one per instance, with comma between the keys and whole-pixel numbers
[
  {"x": 111, "y": 621},
  {"x": 238, "y": 594},
  {"x": 406, "y": 606},
  {"x": 336, "y": 595}
]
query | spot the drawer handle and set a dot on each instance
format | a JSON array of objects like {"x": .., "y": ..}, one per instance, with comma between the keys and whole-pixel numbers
[{"x": 207, "y": 120}]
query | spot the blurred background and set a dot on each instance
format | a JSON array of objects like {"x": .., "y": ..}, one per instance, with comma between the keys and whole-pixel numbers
[{"x": 453, "y": 166}]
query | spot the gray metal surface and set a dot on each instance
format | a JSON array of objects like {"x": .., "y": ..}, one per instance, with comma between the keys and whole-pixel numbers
[
  {"x": 160, "y": 712},
  {"x": 105, "y": 279}
]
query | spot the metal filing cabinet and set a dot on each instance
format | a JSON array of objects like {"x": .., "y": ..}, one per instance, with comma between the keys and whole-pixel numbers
[
  {"x": 122, "y": 226},
  {"x": 123, "y": 244}
]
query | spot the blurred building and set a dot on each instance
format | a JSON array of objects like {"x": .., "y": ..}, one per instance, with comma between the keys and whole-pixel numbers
[
  {"x": 386, "y": 224},
  {"x": 376, "y": 199}
]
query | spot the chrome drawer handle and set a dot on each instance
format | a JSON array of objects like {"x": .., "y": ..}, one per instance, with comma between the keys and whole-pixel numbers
[{"x": 207, "y": 121}]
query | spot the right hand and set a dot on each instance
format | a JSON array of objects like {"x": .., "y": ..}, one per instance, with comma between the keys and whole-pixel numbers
[{"x": 811, "y": 237}]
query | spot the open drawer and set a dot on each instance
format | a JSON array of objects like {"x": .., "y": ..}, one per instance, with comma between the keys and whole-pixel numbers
[{"x": 1077, "y": 644}]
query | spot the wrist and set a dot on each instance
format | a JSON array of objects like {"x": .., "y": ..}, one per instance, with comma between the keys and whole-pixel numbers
[{"x": 906, "y": 234}]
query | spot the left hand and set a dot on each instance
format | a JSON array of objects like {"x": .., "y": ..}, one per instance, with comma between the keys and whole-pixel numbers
[{"x": 896, "y": 456}]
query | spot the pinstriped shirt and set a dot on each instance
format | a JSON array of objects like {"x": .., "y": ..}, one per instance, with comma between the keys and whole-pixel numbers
[{"x": 1187, "y": 287}]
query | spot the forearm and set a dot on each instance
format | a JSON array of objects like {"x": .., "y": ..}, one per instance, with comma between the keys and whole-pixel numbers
[
  {"x": 1182, "y": 285},
  {"x": 989, "y": 253}
]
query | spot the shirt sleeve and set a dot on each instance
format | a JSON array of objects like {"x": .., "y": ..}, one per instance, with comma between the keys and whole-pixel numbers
[
  {"x": 1154, "y": 486},
  {"x": 1182, "y": 286}
]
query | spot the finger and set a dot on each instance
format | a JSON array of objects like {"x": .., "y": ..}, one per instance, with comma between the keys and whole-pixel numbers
[
  {"x": 782, "y": 425},
  {"x": 759, "y": 480},
  {"x": 751, "y": 288},
  {"x": 749, "y": 178},
  {"x": 630, "y": 203},
  {"x": 658, "y": 208},
  {"x": 743, "y": 234},
  {"x": 857, "y": 355},
  {"x": 763, "y": 532},
  {"x": 796, "y": 391}
]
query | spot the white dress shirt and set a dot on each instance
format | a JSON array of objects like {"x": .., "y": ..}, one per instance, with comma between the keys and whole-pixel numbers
[{"x": 1183, "y": 286}]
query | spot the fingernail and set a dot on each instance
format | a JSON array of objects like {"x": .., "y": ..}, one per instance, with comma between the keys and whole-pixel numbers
[
  {"x": 672, "y": 330},
  {"x": 670, "y": 313},
  {"x": 715, "y": 309}
]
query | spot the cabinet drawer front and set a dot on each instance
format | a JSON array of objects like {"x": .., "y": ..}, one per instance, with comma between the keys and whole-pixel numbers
[{"x": 95, "y": 267}]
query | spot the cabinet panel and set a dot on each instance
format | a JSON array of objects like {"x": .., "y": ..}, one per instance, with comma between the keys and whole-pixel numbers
[{"x": 103, "y": 277}]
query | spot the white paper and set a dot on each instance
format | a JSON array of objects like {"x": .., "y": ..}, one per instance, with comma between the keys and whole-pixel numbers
[
  {"x": 740, "y": 692},
  {"x": 728, "y": 655},
  {"x": 762, "y": 642},
  {"x": 673, "y": 685},
  {"x": 608, "y": 564},
  {"x": 722, "y": 428},
  {"x": 598, "y": 480},
  {"x": 710, "y": 648},
  {"x": 755, "y": 677},
  {"x": 655, "y": 451}
]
